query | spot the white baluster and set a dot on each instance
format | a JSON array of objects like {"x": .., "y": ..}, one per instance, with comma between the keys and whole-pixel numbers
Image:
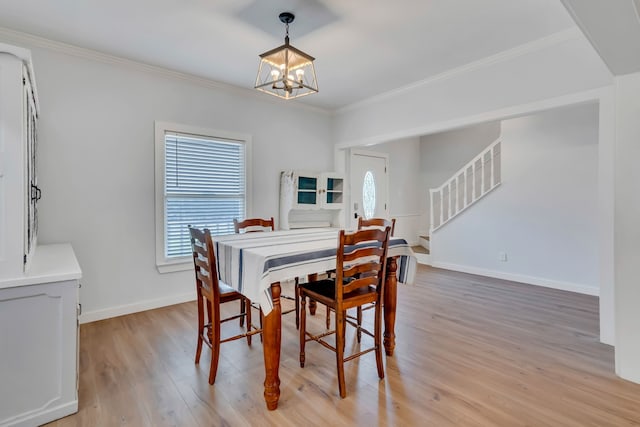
[
  {"x": 473, "y": 181},
  {"x": 441, "y": 207},
  {"x": 431, "y": 209},
  {"x": 482, "y": 188},
  {"x": 449, "y": 192},
  {"x": 493, "y": 179},
  {"x": 464, "y": 204},
  {"x": 457, "y": 193}
]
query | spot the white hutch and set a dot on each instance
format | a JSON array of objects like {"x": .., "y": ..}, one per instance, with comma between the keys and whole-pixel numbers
[
  {"x": 311, "y": 199},
  {"x": 38, "y": 284}
]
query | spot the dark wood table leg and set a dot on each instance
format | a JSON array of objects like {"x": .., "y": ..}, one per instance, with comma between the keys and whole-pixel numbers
[
  {"x": 390, "y": 301},
  {"x": 271, "y": 335}
]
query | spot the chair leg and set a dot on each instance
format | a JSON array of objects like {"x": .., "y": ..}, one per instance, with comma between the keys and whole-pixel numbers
[
  {"x": 344, "y": 329},
  {"x": 328, "y": 319},
  {"x": 359, "y": 316},
  {"x": 296, "y": 292},
  {"x": 247, "y": 305},
  {"x": 261, "y": 318},
  {"x": 200, "y": 327},
  {"x": 303, "y": 326},
  {"x": 215, "y": 351},
  {"x": 340, "y": 341},
  {"x": 378, "y": 340},
  {"x": 242, "y": 312}
]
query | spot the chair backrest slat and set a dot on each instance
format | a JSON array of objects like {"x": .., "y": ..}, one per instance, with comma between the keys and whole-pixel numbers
[
  {"x": 370, "y": 268},
  {"x": 380, "y": 223},
  {"x": 360, "y": 283},
  {"x": 251, "y": 225}
]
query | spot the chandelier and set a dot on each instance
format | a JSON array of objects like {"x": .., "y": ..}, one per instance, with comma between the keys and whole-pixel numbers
[{"x": 286, "y": 72}]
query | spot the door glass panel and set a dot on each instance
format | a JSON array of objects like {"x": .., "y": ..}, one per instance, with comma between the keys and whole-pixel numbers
[{"x": 368, "y": 195}]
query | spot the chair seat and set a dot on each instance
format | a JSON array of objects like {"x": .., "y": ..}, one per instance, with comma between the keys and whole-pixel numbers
[
  {"x": 227, "y": 293},
  {"x": 323, "y": 291}
]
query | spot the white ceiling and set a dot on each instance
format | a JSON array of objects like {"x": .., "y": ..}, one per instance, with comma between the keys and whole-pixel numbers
[
  {"x": 613, "y": 28},
  {"x": 363, "y": 47}
]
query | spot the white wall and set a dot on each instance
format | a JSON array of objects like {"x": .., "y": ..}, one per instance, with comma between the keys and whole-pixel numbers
[
  {"x": 544, "y": 215},
  {"x": 96, "y": 166},
  {"x": 606, "y": 207},
  {"x": 443, "y": 154},
  {"x": 404, "y": 168},
  {"x": 627, "y": 226},
  {"x": 556, "y": 66}
]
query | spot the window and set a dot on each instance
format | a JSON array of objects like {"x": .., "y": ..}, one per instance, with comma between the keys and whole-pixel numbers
[
  {"x": 201, "y": 180},
  {"x": 369, "y": 195}
]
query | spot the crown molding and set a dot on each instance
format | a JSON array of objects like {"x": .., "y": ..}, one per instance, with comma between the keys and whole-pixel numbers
[
  {"x": 19, "y": 37},
  {"x": 523, "y": 49}
]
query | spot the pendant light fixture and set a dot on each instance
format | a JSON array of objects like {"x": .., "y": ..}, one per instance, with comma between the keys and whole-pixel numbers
[{"x": 285, "y": 71}]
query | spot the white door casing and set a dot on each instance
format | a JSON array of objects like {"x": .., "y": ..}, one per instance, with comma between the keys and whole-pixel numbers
[{"x": 370, "y": 200}]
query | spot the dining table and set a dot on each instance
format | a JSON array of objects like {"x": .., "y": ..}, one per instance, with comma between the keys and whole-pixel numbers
[{"x": 256, "y": 263}]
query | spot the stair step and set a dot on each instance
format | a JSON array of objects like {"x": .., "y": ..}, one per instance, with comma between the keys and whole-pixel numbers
[
  {"x": 425, "y": 237},
  {"x": 420, "y": 249}
]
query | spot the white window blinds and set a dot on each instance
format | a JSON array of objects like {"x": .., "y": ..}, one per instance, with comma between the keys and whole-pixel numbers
[{"x": 204, "y": 187}]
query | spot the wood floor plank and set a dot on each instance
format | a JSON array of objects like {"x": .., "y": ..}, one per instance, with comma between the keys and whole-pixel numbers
[{"x": 471, "y": 351}]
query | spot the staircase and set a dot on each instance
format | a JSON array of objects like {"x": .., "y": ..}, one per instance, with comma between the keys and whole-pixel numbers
[{"x": 468, "y": 185}]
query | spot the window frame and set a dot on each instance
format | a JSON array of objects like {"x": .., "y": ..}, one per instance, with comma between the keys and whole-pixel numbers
[{"x": 168, "y": 265}]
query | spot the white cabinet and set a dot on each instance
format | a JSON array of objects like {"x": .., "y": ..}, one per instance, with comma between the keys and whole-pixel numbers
[
  {"x": 19, "y": 190},
  {"x": 311, "y": 199},
  {"x": 39, "y": 339},
  {"x": 318, "y": 191},
  {"x": 38, "y": 284}
]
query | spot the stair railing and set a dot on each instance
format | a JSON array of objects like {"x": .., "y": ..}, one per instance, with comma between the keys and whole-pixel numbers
[{"x": 468, "y": 185}]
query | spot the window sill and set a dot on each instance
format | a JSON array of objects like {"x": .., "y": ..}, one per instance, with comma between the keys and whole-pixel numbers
[{"x": 175, "y": 265}]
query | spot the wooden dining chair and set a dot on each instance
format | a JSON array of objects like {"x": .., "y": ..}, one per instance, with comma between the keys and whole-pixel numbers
[
  {"x": 251, "y": 225},
  {"x": 364, "y": 224},
  {"x": 210, "y": 294},
  {"x": 360, "y": 278}
]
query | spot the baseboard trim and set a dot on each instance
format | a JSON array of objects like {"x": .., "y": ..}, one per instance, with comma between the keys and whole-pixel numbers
[
  {"x": 121, "y": 310},
  {"x": 530, "y": 280},
  {"x": 423, "y": 258},
  {"x": 42, "y": 416}
]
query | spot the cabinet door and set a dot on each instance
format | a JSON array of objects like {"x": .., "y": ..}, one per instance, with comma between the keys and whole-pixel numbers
[
  {"x": 331, "y": 191},
  {"x": 38, "y": 332},
  {"x": 306, "y": 191}
]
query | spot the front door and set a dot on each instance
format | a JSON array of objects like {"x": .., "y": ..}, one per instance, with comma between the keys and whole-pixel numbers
[{"x": 369, "y": 183}]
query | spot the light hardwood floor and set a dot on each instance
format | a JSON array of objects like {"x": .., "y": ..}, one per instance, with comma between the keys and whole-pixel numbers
[{"x": 471, "y": 351}]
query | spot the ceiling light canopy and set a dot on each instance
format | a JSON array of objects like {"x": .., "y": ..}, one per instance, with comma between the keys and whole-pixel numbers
[{"x": 285, "y": 71}]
